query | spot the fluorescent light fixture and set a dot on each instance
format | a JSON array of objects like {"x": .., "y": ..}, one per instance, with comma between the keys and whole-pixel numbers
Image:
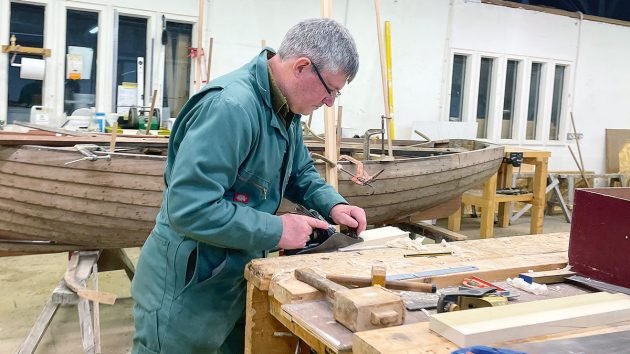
[{"x": 93, "y": 30}]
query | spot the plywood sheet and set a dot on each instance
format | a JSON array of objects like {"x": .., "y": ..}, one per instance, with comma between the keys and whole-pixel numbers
[
  {"x": 504, "y": 323},
  {"x": 615, "y": 140}
]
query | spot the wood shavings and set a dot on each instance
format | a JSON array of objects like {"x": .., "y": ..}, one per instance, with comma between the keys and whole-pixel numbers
[{"x": 407, "y": 244}]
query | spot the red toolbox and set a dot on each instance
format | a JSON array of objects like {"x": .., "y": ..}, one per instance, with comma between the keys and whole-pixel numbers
[{"x": 599, "y": 246}]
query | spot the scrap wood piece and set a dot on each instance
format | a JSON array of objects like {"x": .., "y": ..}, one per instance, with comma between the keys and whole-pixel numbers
[
  {"x": 50, "y": 129},
  {"x": 79, "y": 269},
  {"x": 547, "y": 276},
  {"x": 435, "y": 232},
  {"x": 377, "y": 238},
  {"x": 496, "y": 324}
]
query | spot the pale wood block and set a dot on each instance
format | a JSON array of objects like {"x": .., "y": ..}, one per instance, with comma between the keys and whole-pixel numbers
[
  {"x": 289, "y": 290},
  {"x": 368, "y": 308},
  {"x": 378, "y": 237},
  {"x": 497, "y": 324}
]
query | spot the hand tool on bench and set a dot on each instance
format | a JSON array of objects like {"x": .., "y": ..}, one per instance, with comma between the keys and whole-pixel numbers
[
  {"x": 470, "y": 298},
  {"x": 478, "y": 283},
  {"x": 357, "y": 281},
  {"x": 358, "y": 309},
  {"x": 323, "y": 240}
]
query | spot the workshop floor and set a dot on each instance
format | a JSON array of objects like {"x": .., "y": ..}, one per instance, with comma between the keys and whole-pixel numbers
[{"x": 26, "y": 283}]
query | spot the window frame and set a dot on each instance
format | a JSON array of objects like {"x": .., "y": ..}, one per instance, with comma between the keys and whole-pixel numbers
[
  {"x": 465, "y": 100},
  {"x": 497, "y": 90},
  {"x": 54, "y": 38}
]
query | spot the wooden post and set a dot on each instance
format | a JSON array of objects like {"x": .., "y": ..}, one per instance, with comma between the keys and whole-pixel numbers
[
  {"x": 505, "y": 181},
  {"x": 199, "y": 46},
  {"x": 330, "y": 142},
  {"x": 538, "y": 202},
  {"x": 209, "y": 59},
  {"x": 151, "y": 111},
  {"x": 112, "y": 142},
  {"x": 381, "y": 50},
  {"x": 487, "y": 209},
  {"x": 339, "y": 120},
  {"x": 390, "y": 88}
]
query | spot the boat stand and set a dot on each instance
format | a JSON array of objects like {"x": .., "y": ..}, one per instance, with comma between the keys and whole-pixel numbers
[{"x": 72, "y": 291}]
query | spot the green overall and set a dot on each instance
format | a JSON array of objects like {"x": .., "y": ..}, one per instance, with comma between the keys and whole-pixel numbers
[{"x": 231, "y": 160}]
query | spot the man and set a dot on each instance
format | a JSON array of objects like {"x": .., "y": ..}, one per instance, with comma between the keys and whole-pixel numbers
[{"x": 235, "y": 151}]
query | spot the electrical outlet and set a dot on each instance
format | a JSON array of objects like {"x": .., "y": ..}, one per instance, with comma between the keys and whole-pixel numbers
[{"x": 572, "y": 136}]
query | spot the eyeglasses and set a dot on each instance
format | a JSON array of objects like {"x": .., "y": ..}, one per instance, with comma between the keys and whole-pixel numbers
[{"x": 333, "y": 93}]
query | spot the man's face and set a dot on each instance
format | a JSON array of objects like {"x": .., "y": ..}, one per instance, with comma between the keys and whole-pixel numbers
[{"x": 311, "y": 92}]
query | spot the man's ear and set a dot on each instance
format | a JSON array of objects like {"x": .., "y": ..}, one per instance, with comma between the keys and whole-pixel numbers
[{"x": 300, "y": 65}]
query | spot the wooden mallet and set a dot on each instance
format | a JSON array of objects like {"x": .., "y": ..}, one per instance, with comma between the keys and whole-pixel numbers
[{"x": 358, "y": 309}]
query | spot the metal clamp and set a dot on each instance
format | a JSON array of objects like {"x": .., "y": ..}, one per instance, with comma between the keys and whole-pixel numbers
[
  {"x": 361, "y": 177},
  {"x": 88, "y": 150}
]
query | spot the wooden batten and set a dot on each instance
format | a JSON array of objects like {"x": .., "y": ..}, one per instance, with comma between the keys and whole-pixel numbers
[{"x": 530, "y": 319}]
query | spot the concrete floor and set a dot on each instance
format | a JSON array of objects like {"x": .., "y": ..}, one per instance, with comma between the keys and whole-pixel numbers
[{"x": 27, "y": 282}]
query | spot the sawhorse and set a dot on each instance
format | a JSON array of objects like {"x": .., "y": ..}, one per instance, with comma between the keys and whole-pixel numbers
[{"x": 71, "y": 291}]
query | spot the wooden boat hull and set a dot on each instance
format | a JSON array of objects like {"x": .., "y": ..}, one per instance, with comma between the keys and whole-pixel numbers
[{"x": 46, "y": 205}]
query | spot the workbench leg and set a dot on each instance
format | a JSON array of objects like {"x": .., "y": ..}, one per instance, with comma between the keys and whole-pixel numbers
[
  {"x": 487, "y": 209},
  {"x": 455, "y": 220},
  {"x": 538, "y": 202},
  {"x": 505, "y": 209},
  {"x": 263, "y": 333}
]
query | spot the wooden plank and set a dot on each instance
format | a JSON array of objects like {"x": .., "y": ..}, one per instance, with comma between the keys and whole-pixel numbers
[
  {"x": 503, "y": 323},
  {"x": 546, "y": 277},
  {"x": 411, "y": 338},
  {"x": 313, "y": 322},
  {"x": 25, "y": 139},
  {"x": 49, "y": 129},
  {"x": 377, "y": 238},
  {"x": 417, "y": 338}
]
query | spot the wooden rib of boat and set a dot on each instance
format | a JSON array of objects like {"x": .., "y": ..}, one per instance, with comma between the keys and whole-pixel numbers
[{"x": 49, "y": 206}]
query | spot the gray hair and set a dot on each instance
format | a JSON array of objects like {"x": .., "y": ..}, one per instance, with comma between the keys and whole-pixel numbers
[{"x": 326, "y": 42}]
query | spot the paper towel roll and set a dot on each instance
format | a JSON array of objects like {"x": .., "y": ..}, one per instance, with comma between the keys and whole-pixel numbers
[{"x": 32, "y": 69}]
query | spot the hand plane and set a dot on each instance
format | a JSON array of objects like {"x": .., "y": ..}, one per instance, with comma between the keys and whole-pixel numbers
[
  {"x": 465, "y": 299},
  {"x": 323, "y": 240}
]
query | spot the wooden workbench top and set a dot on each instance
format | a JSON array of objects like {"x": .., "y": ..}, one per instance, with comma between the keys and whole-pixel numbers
[{"x": 487, "y": 254}]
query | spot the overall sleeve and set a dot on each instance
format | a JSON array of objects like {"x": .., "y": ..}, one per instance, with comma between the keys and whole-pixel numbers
[
  {"x": 218, "y": 137},
  {"x": 306, "y": 186}
]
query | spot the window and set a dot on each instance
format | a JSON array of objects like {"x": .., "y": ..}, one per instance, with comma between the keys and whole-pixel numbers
[
  {"x": 176, "y": 68},
  {"x": 457, "y": 88},
  {"x": 533, "y": 103},
  {"x": 483, "y": 98},
  {"x": 81, "y": 41},
  {"x": 556, "y": 103},
  {"x": 27, "y": 24},
  {"x": 132, "y": 48},
  {"x": 509, "y": 99}
]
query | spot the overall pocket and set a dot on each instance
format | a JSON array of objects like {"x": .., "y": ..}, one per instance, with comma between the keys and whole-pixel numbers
[
  {"x": 148, "y": 287},
  {"x": 250, "y": 189},
  {"x": 202, "y": 264}
]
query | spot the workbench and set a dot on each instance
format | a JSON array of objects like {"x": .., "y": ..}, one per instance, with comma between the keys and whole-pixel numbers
[
  {"x": 487, "y": 198},
  {"x": 281, "y": 309}
]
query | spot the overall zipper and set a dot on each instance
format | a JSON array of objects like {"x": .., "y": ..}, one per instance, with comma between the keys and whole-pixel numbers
[{"x": 258, "y": 186}]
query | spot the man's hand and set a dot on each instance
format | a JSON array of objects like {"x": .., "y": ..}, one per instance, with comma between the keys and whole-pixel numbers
[
  {"x": 297, "y": 230},
  {"x": 351, "y": 216}
]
